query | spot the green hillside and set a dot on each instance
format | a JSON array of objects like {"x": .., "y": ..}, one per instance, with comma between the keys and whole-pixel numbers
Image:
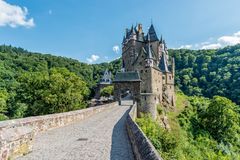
[
  {"x": 201, "y": 128},
  {"x": 36, "y": 84},
  {"x": 203, "y": 72},
  {"x": 209, "y": 72}
]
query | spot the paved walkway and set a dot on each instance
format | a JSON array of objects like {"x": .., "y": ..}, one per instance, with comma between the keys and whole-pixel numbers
[{"x": 100, "y": 137}]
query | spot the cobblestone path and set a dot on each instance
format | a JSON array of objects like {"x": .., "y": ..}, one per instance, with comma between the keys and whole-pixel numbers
[{"x": 99, "y": 137}]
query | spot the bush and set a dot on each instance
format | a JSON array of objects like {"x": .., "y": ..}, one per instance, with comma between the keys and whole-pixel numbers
[{"x": 106, "y": 91}]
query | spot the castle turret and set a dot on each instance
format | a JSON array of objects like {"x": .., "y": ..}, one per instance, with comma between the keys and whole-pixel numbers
[
  {"x": 149, "y": 59},
  {"x": 163, "y": 65},
  {"x": 133, "y": 34}
]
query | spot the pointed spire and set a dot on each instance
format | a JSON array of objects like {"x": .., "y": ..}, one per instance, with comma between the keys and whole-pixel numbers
[
  {"x": 149, "y": 49},
  {"x": 148, "y": 38},
  {"x": 153, "y": 34},
  {"x": 132, "y": 29},
  {"x": 165, "y": 44},
  {"x": 163, "y": 65},
  {"x": 161, "y": 39},
  {"x": 127, "y": 33},
  {"x": 124, "y": 38}
]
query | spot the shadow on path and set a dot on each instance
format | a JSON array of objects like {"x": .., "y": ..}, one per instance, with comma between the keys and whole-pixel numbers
[{"x": 121, "y": 147}]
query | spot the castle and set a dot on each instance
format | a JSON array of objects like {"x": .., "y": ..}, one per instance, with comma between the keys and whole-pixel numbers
[{"x": 147, "y": 70}]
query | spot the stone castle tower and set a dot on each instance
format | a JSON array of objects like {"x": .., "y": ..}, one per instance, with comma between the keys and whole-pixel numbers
[{"x": 147, "y": 55}]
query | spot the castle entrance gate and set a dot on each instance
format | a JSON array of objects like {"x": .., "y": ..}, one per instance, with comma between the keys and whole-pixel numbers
[{"x": 127, "y": 87}]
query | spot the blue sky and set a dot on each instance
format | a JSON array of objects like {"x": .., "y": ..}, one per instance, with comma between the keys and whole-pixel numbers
[{"x": 89, "y": 30}]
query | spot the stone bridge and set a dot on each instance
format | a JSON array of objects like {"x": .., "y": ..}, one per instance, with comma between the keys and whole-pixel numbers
[{"x": 106, "y": 132}]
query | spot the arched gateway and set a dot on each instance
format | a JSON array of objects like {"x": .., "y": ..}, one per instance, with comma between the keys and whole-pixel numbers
[{"x": 127, "y": 83}]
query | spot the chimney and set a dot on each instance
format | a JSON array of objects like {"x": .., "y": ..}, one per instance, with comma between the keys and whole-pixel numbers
[{"x": 139, "y": 28}]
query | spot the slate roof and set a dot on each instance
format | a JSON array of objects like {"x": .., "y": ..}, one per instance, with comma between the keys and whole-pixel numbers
[
  {"x": 153, "y": 34},
  {"x": 127, "y": 77},
  {"x": 149, "y": 49},
  {"x": 106, "y": 79},
  {"x": 163, "y": 63}
]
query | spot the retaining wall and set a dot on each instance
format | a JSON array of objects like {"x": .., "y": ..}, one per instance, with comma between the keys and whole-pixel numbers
[
  {"x": 141, "y": 145},
  {"x": 16, "y": 136}
]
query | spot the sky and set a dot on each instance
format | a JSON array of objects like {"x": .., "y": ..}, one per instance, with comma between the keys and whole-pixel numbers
[{"x": 91, "y": 31}]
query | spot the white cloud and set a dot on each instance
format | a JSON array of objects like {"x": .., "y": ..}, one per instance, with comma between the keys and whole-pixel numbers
[
  {"x": 116, "y": 49},
  {"x": 211, "y": 46},
  {"x": 229, "y": 40},
  {"x": 13, "y": 16},
  {"x": 223, "y": 41},
  {"x": 237, "y": 34},
  {"x": 188, "y": 46},
  {"x": 93, "y": 58}
]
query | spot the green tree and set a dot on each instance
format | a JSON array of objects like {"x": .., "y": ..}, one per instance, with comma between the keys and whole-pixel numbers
[
  {"x": 107, "y": 91},
  {"x": 3, "y": 104},
  {"x": 222, "y": 120},
  {"x": 57, "y": 91}
]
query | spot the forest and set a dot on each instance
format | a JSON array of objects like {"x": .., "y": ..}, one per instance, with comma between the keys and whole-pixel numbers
[
  {"x": 36, "y": 84},
  {"x": 207, "y": 118}
]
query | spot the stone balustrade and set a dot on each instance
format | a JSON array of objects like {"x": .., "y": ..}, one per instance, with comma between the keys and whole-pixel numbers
[
  {"x": 141, "y": 145},
  {"x": 16, "y": 136}
]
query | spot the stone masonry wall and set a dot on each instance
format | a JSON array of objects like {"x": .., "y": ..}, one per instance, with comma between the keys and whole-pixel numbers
[
  {"x": 141, "y": 145},
  {"x": 16, "y": 136}
]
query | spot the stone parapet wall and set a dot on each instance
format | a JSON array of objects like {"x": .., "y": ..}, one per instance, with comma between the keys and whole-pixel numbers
[
  {"x": 141, "y": 145},
  {"x": 16, "y": 136}
]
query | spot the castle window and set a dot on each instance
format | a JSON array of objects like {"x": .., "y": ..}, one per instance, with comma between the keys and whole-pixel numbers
[
  {"x": 170, "y": 77},
  {"x": 155, "y": 98},
  {"x": 163, "y": 77},
  {"x": 146, "y": 71},
  {"x": 141, "y": 71},
  {"x": 170, "y": 87},
  {"x": 145, "y": 97}
]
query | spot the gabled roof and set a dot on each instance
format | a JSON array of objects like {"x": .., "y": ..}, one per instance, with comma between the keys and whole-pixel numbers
[
  {"x": 106, "y": 78},
  {"x": 127, "y": 77}
]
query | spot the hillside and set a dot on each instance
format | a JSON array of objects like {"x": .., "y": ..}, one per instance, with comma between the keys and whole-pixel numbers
[
  {"x": 203, "y": 73},
  {"x": 209, "y": 72},
  {"x": 201, "y": 128}
]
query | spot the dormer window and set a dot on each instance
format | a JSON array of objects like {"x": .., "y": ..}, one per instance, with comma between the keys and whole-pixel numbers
[{"x": 149, "y": 63}]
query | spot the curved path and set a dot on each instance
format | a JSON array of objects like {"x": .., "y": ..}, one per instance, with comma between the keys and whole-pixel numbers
[{"x": 102, "y": 136}]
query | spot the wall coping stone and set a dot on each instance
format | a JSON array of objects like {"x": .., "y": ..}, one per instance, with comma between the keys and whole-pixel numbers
[
  {"x": 141, "y": 145},
  {"x": 16, "y": 136}
]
